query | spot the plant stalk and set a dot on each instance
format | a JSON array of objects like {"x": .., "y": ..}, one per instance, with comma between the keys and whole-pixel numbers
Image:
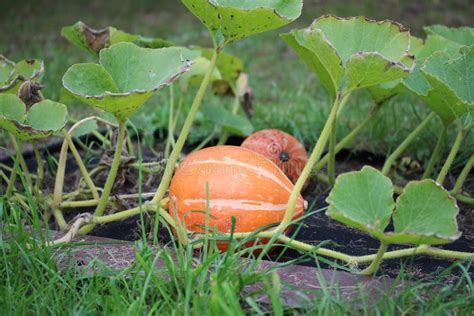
[
  {"x": 435, "y": 156},
  {"x": 40, "y": 167},
  {"x": 109, "y": 183},
  {"x": 374, "y": 266},
  {"x": 449, "y": 161},
  {"x": 316, "y": 154},
  {"x": 346, "y": 141},
  {"x": 176, "y": 152},
  {"x": 462, "y": 177},
  {"x": 404, "y": 145}
]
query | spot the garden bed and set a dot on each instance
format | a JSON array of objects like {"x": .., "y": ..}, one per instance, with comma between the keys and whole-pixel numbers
[{"x": 314, "y": 229}]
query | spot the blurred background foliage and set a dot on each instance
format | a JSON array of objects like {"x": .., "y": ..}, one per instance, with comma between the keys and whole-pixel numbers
[{"x": 287, "y": 95}]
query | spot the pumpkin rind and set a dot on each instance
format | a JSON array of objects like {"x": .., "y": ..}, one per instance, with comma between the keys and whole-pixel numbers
[
  {"x": 281, "y": 148},
  {"x": 241, "y": 184}
]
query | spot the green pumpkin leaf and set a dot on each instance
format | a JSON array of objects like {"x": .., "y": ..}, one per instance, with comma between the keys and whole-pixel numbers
[
  {"x": 232, "y": 123},
  {"x": 416, "y": 82},
  {"x": 425, "y": 214},
  {"x": 452, "y": 84},
  {"x": 126, "y": 77},
  {"x": 93, "y": 41},
  {"x": 41, "y": 121},
  {"x": 385, "y": 91},
  {"x": 353, "y": 53},
  {"x": 7, "y": 68},
  {"x": 462, "y": 35},
  {"x": 363, "y": 200},
  {"x": 12, "y": 75},
  {"x": 233, "y": 20}
]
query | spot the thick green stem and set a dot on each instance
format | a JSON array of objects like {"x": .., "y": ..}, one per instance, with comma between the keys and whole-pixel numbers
[
  {"x": 449, "y": 161},
  {"x": 332, "y": 155},
  {"x": 374, "y": 266},
  {"x": 404, "y": 145},
  {"x": 170, "y": 166},
  {"x": 82, "y": 167},
  {"x": 16, "y": 165},
  {"x": 40, "y": 167},
  {"x": 435, "y": 156},
  {"x": 346, "y": 141},
  {"x": 235, "y": 109},
  {"x": 313, "y": 159},
  {"x": 109, "y": 183},
  {"x": 462, "y": 177},
  {"x": 170, "y": 123}
]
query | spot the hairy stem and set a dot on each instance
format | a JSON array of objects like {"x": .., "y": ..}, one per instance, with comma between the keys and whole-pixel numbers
[
  {"x": 40, "y": 167},
  {"x": 404, "y": 145},
  {"x": 374, "y": 266},
  {"x": 170, "y": 123},
  {"x": 462, "y": 177},
  {"x": 346, "y": 141},
  {"x": 449, "y": 161},
  {"x": 332, "y": 155},
  {"x": 174, "y": 156},
  {"x": 435, "y": 156},
  {"x": 109, "y": 183},
  {"x": 313, "y": 159}
]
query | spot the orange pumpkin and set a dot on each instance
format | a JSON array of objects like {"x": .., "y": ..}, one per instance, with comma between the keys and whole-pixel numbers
[
  {"x": 241, "y": 184},
  {"x": 281, "y": 148}
]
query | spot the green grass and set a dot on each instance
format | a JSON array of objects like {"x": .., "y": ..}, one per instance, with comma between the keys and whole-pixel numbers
[{"x": 210, "y": 283}]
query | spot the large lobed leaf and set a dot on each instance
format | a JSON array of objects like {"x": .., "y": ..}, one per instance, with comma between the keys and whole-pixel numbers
[
  {"x": 425, "y": 212},
  {"x": 451, "y": 93},
  {"x": 362, "y": 199},
  {"x": 126, "y": 77},
  {"x": 41, "y": 121},
  {"x": 353, "y": 53},
  {"x": 236, "y": 19}
]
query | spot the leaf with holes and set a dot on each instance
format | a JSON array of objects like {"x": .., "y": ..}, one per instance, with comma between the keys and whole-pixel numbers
[
  {"x": 126, "y": 77},
  {"x": 363, "y": 200},
  {"x": 353, "y": 53},
  {"x": 12, "y": 74},
  {"x": 425, "y": 214},
  {"x": 94, "y": 40},
  {"x": 232, "y": 20},
  {"x": 41, "y": 121}
]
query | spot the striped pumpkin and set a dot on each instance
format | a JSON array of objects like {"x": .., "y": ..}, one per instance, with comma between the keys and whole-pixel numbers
[{"x": 241, "y": 183}]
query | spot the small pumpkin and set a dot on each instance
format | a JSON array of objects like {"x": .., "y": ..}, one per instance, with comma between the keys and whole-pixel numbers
[
  {"x": 242, "y": 184},
  {"x": 281, "y": 148}
]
